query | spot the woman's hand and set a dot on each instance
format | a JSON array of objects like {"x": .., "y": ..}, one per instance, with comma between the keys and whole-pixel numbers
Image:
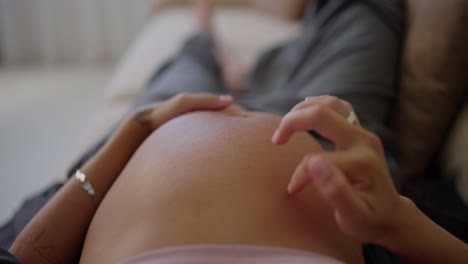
[
  {"x": 154, "y": 115},
  {"x": 57, "y": 232},
  {"x": 354, "y": 179}
]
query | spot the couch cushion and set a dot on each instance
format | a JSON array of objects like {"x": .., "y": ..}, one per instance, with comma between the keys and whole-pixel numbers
[
  {"x": 291, "y": 9},
  {"x": 434, "y": 76}
]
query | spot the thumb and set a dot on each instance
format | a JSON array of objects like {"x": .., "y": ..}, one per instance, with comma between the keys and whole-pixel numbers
[
  {"x": 209, "y": 102},
  {"x": 336, "y": 189}
]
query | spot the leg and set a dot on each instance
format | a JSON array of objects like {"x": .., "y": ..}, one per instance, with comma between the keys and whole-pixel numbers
[
  {"x": 233, "y": 71},
  {"x": 203, "y": 65},
  {"x": 194, "y": 69}
]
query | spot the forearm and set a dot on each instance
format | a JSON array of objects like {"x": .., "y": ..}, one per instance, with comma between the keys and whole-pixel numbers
[
  {"x": 419, "y": 240},
  {"x": 57, "y": 232}
]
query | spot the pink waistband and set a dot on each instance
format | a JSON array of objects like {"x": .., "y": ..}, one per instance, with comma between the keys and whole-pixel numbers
[{"x": 229, "y": 254}]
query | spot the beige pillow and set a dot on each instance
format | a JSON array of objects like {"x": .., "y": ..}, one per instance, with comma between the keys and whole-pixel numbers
[
  {"x": 434, "y": 76},
  {"x": 455, "y": 160},
  {"x": 288, "y": 9}
]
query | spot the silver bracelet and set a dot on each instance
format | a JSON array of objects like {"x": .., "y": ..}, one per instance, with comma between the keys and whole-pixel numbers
[{"x": 85, "y": 184}]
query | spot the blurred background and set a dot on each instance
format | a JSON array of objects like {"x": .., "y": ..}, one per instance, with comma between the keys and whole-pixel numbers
[
  {"x": 56, "y": 57},
  {"x": 70, "y": 69}
]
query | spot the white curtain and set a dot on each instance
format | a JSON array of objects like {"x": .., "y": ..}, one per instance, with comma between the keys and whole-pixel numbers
[{"x": 68, "y": 31}]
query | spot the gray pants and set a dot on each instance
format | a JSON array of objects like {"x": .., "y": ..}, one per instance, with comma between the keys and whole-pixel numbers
[{"x": 349, "y": 49}]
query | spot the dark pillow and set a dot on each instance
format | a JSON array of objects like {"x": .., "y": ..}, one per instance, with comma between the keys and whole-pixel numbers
[{"x": 433, "y": 78}]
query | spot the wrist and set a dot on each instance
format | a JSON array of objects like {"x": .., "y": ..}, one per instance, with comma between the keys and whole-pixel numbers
[
  {"x": 127, "y": 137},
  {"x": 133, "y": 124},
  {"x": 415, "y": 238},
  {"x": 399, "y": 226},
  {"x": 109, "y": 161}
]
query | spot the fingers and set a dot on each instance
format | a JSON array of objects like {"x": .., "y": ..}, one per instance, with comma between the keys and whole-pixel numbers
[
  {"x": 334, "y": 103},
  {"x": 336, "y": 189},
  {"x": 154, "y": 115},
  {"x": 300, "y": 178},
  {"x": 348, "y": 162},
  {"x": 354, "y": 180},
  {"x": 340, "y": 106},
  {"x": 326, "y": 122},
  {"x": 184, "y": 103},
  {"x": 311, "y": 113}
]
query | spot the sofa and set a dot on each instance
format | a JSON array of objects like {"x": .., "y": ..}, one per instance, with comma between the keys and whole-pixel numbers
[{"x": 431, "y": 113}]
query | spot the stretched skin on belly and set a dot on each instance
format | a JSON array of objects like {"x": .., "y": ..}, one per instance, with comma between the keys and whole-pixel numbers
[{"x": 213, "y": 177}]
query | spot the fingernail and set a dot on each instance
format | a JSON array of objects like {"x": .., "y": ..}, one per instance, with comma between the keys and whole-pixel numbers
[
  {"x": 275, "y": 136},
  {"x": 320, "y": 169},
  {"x": 290, "y": 188},
  {"x": 224, "y": 99}
]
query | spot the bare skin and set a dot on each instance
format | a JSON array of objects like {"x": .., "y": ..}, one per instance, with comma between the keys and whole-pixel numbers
[
  {"x": 214, "y": 178},
  {"x": 232, "y": 69},
  {"x": 222, "y": 181},
  {"x": 355, "y": 182}
]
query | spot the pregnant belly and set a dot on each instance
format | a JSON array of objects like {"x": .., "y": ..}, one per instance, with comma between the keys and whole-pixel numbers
[{"x": 212, "y": 177}]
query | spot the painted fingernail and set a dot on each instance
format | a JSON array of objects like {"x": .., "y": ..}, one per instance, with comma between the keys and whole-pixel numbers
[
  {"x": 225, "y": 99},
  {"x": 320, "y": 169}
]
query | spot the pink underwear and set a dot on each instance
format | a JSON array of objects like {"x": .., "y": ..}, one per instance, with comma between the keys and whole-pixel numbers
[{"x": 229, "y": 254}]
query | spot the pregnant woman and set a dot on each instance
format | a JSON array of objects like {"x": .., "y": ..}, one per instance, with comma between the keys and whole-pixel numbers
[
  {"x": 177, "y": 185},
  {"x": 198, "y": 180}
]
